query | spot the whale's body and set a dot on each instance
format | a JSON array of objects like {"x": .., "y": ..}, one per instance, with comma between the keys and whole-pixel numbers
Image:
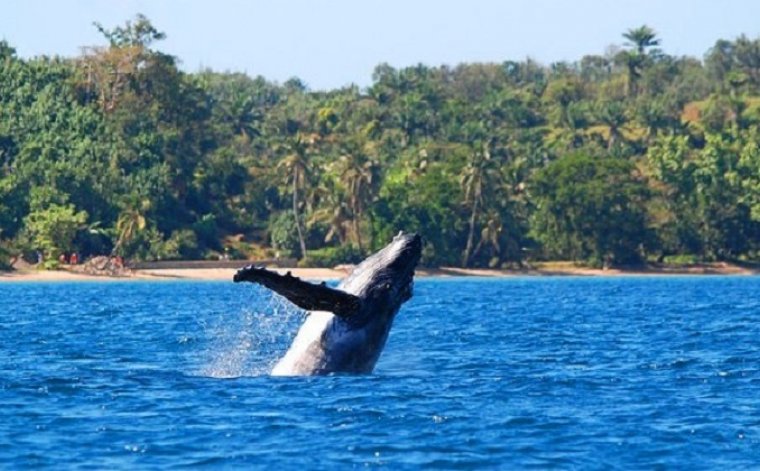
[{"x": 347, "y": 326}]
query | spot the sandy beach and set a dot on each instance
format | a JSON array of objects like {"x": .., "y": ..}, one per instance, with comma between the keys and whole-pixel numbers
[{"x": 221, "y": 274}]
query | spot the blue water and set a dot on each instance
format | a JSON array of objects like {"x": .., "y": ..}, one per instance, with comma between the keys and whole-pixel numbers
[{"x": 521, "y": 372}]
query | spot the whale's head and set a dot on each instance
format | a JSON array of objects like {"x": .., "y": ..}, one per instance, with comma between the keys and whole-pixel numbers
[{"x": 385, "y": 279}]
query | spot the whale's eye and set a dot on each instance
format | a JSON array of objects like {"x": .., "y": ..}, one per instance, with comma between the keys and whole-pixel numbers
[{"x": 387, "y": 286}]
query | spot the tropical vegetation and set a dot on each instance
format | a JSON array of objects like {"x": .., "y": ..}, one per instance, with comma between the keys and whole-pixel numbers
[{"x": 618, "y": 158}]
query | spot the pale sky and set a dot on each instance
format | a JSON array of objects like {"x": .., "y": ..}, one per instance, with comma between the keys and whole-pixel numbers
[{"x": 330, "y": 43}]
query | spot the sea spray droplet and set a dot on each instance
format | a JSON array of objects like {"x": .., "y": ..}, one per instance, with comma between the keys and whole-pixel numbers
[{"x": 248, "y": 343}]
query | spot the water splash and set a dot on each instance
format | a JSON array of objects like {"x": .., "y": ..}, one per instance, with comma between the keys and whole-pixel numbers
[{"x": 251, "y": 342}]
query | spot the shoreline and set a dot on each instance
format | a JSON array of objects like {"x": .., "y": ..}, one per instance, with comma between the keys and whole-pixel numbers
[{"x": 222, "y": 274}]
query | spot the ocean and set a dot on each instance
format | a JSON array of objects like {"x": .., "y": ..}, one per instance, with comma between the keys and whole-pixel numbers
[{"x": 545, "y": 372}]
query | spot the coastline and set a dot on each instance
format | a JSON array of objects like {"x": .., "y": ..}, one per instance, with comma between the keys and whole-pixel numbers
[{"x": 225, "y": 274}]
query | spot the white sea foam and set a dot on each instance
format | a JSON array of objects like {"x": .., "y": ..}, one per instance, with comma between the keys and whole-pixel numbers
[{"x": 249, "y": 343}]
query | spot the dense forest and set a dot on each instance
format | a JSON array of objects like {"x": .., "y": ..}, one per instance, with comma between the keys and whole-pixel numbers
[{"x": 624, "y": 157}]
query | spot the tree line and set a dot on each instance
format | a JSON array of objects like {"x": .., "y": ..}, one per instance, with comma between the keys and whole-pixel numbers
[{"x": 618, "y": 158}]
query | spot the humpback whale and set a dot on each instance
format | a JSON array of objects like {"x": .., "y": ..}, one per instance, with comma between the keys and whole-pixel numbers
[{"x": 347, "y": 326}]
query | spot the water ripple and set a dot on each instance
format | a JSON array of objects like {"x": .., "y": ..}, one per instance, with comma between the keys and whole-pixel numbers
[{"x": 528, "y": 373}]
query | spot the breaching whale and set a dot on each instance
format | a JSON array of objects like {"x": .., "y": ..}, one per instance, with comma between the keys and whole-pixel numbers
[{"x": 347, "y": 326}]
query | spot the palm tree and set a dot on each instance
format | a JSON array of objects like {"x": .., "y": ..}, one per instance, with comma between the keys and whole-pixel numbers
[
  {"x": 296, "y": 167},
  {"x": 359, "y": 171},
  {"x": 632, "y": 61},
  {"x": 332, "y": 210},
  {"x": 480, "y": 175},
  {"x": 131, "y": 222},
  {"x": 612, "y": 114},
  {"x": 491, "y": 233},
  {"x": 657, "y": 113},
  {"x": 243, "y": 117},
  {"x": 641, "y": 38}
]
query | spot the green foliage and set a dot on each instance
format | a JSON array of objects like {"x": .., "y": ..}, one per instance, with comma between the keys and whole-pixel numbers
[
  {"x": 710, "y": 194},
  {"x": 141, "y": 32},
  {"x": 151, "y": 244},
  {"x": 426, "y": 201},
  {"x": 184, "y": 243},
  {"x": 590, "y": 209},
  {"x": 610, "y": 160},
  {"x": 52, "y": 228},
  {"x": 206, "y": 232},
  {"x": 330, "y": 257},
  {"x": 681, "y": 259},
  {"x": 283, "y": 235},
  {"x": 5, "y": 258}
]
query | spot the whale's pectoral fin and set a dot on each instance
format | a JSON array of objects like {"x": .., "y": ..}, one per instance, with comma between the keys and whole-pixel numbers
[{"x": 301, "y": 293}]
